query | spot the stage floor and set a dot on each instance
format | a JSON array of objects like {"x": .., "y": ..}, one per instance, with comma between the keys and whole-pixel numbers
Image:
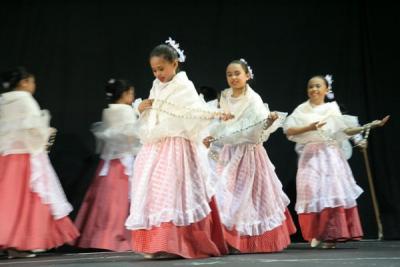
[{"x": 353, "y": 254}]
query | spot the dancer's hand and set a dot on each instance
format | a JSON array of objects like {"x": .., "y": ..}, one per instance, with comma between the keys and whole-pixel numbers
[
  {"x": 315, "y": 125},
  {"x": 379, "y": 123},
  {"x": 207, "y": 141},
  {"x": 145, "y": 104},
  {"x": 273, "y": 116},
  {"x": 226, "y": 116},
  {"x": 363, "y": 144}
]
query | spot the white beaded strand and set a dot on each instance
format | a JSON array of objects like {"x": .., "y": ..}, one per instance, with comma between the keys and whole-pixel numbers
[
  {"x": 266, "y": 123},
  {"x": 210, "y": 114}
]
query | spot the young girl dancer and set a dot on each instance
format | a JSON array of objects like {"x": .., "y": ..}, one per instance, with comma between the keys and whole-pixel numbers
[
  {"x": 326, "y": 189},
  {"x": 33, "y": 208},
  {"x": 171, "y": 210},
  {"x": 101, "y": 218},
  {"x": 252, "y": 205}
]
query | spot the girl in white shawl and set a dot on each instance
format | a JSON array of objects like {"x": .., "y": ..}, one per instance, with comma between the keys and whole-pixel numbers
[
  {"x": 171, "y": 209},
  {"x": 33, "y": 208},
  {"x": 101, "y": 218},
  {"x": 252, "y": 204},
  {"x": 326, "y": 189}
]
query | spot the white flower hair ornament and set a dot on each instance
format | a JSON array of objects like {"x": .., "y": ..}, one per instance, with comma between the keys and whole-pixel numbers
[
  {"x": 251, "y": 74},
  {"x": 110, "y": 81},
  {"x": 329, "y": 79},
  {"x": 175, "y": 45}
]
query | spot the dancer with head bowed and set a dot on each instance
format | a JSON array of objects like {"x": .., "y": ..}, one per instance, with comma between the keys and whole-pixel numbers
[
  {"x": 172, "y": 210},
  {"x": 33, "y": 207}
]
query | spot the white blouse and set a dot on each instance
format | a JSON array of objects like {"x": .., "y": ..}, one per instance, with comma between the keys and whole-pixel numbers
[
  {"x": 177, "y": 110},
  {"x": 24, "y": 128},
  {"x": 117, "y": 132},
  {"x": 117, "y": 137},
  {"x": 336, "y": 122},
  {"x": 248, "y": 125}
]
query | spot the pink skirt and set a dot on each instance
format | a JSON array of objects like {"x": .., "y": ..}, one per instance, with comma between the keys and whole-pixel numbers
[
  {"x": 170, "y": 209},
  {"x": 198, "y": 240},
  {"x": 326, "y": 195},
  {"x": 274, "y": 240},
  {"x": 25, "y": 222},
  {"x": 324, "y": 179},
  {"x": 101, "y": 218},
  {"x": 252, "y": 204},
  {"x": 331, "y": 224}
]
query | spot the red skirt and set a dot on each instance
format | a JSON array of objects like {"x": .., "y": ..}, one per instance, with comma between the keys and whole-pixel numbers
[
  {"x": 101, "y": 218},
  {"x": 25, "y": 222},
  {"x": 198, "y": 240},
  {"x": 271, "y": 241},
  {"x": 331, "y": 224}
]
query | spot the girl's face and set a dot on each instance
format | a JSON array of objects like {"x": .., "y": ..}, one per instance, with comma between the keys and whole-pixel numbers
[
  {"x": 236, "y": 76},
  {"x": 163, "y": 69},
  {"x": 317, "y": 90},
  {"x": 128, "y": 96},
  {"x": 28, "y": 85}
]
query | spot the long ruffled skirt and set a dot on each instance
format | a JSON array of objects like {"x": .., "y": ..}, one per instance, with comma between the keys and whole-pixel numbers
[
  {"x": 326, "y": 195},
  {"x": 25, "y": 222},
  {"x": 105, "y": 208},
  {"x": 171, "y": 210},
  {"x": 252, "y": 203}
]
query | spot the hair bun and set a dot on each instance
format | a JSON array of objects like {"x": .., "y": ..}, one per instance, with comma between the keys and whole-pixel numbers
[
  {"x": 115, "y": 88},
  {"x": 11, "y": 78}
]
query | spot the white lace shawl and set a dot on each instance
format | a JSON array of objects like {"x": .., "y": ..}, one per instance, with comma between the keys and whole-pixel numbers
[
  {"x": 336, "y": 123},
  {"x": 248, "y": 125},
  {"x": 177, "y": 110},
  {"x": 24, "y": 128},
  {"x": 44, "y": 181},
  {"x": 306, "y": 114},
  {"x": 117, "y": 137},
  {"x": 117, "y": 133}
]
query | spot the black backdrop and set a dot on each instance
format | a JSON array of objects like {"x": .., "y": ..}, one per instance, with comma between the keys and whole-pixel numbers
[{"x": 74, "y": 47}]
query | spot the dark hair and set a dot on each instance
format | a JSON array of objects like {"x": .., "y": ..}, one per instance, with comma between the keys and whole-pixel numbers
[
  {"x": 322, "y": 77},
  {"x": 11, "y": 78},
  {"x": 167, "y": 52},
  {"x": 115, "y": 88},
  {"x": 244, "y": 65},
  {"x": 209, "y": 93}
]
